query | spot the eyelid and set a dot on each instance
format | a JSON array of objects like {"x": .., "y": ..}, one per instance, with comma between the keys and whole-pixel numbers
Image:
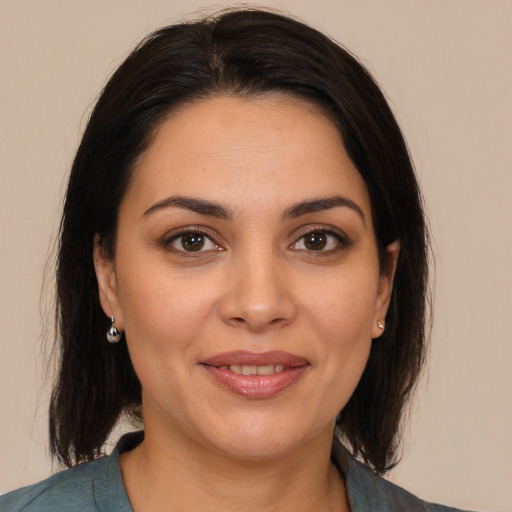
[
  {"x": 339, "y": 234},
  {"x": 169, "y": 237}
]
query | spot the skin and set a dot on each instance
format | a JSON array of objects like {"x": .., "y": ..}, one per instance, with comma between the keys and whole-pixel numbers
[{"x": 255, "y": 285}]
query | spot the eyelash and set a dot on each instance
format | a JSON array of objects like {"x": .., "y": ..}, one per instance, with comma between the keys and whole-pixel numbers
[
  {"x": 341, "y": 240},
  {"x": 192, "y": 230}
]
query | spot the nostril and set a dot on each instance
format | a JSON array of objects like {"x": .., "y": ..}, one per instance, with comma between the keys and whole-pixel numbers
[
  {"x": 239, "y": 322},
  {"x": 256, "y": 307},
  {"x": 257, "y": 324}
]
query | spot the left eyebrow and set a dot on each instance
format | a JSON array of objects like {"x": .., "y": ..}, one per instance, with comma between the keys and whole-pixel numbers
[{"x": 320, "y": 204}]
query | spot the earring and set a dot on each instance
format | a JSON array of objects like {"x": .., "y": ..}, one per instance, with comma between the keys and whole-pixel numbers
[
  {"x": 379, "y": 323},
  {"x": 113, "y": 335}
]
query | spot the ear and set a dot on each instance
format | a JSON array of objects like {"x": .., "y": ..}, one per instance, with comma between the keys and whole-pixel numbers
[
  {"x": 385, "y": 288},
  {"x": 107, "y": 287}
]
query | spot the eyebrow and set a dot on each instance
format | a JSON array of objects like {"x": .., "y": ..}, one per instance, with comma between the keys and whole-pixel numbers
[
  {"x": 200, "y": 206},
  {"x": 320, "y": 204},
  {"x": 213, "y": 209}
]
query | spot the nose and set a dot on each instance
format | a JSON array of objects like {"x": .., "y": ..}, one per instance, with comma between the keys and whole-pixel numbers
[{"x": 258, "y": 294}]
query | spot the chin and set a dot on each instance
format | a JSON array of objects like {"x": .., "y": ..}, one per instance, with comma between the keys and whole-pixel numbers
[
  {"x": 259, "y": 438},
  {"x": 256, "y": 448}
]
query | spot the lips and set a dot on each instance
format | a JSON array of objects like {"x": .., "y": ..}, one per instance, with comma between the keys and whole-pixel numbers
[
  {"x": 250, "y": 369},
  {"x": 256, "y": 375}
]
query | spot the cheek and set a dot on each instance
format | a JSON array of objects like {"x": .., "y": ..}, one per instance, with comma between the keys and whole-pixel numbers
[
  {"x": 342, "y": 306},
  {"x": 163, "y": 319},
  {"x": 340, "y": 315},
  {"x": 162, "y": 314}
]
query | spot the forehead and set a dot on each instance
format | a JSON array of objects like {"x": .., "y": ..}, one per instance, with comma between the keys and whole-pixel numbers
[{"x": 233, "y": 150}]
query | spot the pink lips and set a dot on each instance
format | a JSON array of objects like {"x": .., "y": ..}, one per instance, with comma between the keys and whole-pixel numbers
[{"x": 256, "y": 386}]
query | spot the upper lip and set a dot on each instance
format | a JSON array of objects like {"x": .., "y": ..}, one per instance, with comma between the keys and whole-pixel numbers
[{"x": 242, "y": 357}]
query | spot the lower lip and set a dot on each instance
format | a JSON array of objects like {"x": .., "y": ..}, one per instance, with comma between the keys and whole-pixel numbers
[{"x": 257, "y": 386}]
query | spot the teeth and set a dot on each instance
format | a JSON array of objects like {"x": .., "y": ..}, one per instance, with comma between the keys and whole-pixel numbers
[
  {"x": 268, "y": 369},
  {"x": 249, "y": 370}
]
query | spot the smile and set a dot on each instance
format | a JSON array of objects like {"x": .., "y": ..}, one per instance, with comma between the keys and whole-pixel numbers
[
  {"x": 256, "y": 375},
  {"x": 268, "y": 369}
]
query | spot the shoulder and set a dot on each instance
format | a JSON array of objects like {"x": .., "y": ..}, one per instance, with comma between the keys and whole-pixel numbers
[
  {"x": 370, "y": 492},
  {"x": 89, "y": 487},
  {"x": 60, "y": 491}
]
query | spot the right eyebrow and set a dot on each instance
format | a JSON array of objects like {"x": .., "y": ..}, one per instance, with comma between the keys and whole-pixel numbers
[{"x": 193, "y": 204}]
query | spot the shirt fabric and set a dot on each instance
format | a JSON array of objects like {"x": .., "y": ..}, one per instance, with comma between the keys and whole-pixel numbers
[{"x": 98, "y": 487}]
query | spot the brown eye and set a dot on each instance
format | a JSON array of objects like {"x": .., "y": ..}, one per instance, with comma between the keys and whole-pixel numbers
[
  {"x": 319, "y": 241},
  {"x": 315, "y": 241},
  {"x": 192, "y": 241}
]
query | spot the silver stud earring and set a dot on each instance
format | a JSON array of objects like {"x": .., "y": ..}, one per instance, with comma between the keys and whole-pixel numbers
[
  {"x": 113, "y": 335},
  {"x": 379, "y": 323}
]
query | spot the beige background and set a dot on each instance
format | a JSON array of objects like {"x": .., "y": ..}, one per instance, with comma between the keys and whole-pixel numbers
[{"x": 446, "y": 68}]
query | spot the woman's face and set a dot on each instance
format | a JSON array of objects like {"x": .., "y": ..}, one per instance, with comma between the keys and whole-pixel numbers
[{"x": 246, "y": 275}]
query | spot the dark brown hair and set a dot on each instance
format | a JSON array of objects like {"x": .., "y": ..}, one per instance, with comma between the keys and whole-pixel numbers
[{"x": 237, "y": 53}]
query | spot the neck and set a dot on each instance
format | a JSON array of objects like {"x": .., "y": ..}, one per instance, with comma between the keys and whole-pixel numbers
[{"x": 159, "y": 473}]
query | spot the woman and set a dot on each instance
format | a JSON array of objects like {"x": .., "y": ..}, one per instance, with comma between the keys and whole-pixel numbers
[{"x": 243, "y": 255}]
